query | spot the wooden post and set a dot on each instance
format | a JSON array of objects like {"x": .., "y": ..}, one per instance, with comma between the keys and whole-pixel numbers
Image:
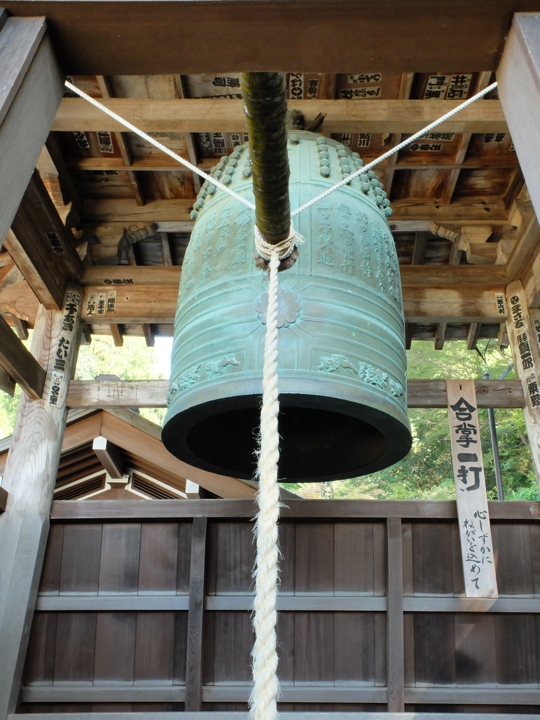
[
  {"x": 193, "y": 702},
  {"x": 518, "y": 76},
  {"x": 395, "y": 641},
  {"x": 471, "y": 498},
  {"x": 31, "y": 87},
  {"x": 526, "y": 352},
  {"x": 29, "y": 479}
]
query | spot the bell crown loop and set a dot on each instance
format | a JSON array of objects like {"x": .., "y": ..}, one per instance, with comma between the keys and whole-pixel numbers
[{"x": 282, "y": 249}]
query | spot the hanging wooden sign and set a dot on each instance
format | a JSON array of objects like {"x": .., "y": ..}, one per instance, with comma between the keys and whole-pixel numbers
[
  {"x": 523, "y": 338},
  {"x": 473, "y": 516}
]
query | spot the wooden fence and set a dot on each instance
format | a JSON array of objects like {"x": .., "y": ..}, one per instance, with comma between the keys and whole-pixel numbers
[{"x": 145, "y": 606}]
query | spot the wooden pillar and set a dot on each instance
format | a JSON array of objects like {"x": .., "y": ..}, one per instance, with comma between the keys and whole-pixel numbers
[
  {"x": 193, "y": 701},
  {"x": 31, "y": 87},
  {"x": 30, "y": 478},
  {"x": 394, "y": 628},
  {"x": 526, "y": 353}
]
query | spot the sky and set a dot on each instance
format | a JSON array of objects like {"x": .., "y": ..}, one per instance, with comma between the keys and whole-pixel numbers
[{"x": 163, "y": 346}]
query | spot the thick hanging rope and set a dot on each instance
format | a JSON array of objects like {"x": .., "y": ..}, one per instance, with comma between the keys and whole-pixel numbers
[{"x": 263, "y": 700}]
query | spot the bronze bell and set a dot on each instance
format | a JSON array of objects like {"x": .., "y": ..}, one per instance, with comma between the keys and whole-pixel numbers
[{"x": 342, "y": 364}]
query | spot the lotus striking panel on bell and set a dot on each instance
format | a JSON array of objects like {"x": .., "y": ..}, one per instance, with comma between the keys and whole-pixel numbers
[{"x": 342, "y": 366}]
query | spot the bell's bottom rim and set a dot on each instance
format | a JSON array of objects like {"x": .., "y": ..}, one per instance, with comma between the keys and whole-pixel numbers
[{"x": 196, "y": 405}]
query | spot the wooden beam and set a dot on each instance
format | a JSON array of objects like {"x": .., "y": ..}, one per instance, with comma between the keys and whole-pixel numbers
[
  {"x": 189, "y": 138},
  {"x": 7, "y": 384},
  {"x": 473, "y": 335},
  {"x": 518, "y": 76},
  {"x": 163, "y": 38},
  {"x": 140, "y": 443},
  {"x": 207, "y": 115},
  {"x": 487, "y": 211},
  {"x": 525, "y": 249},
  {"x": 123, "y": 145},
  {"x": 153, "y": 393},
  {"x": 419, "y": 248},
  {"x": 19, "y": 363},
  {"x": 394, "y": 633},
  {"x": 117, "y": 335},
  {"x": 164, "y": 163},
  {"x": 42, "y": 247},
  {"x": 425, "y": 276},
  {"x": 29, "y": 479},
  {"x": 194, "y": 656},
  {"x": 32, "y": 86},
  {"x": 110, "y": 456},
  {"x": 67, "y": 183},
  {"x": 440, "y": 336}
]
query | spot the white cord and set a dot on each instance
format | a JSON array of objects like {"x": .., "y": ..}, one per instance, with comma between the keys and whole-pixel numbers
[
  {"x": 263, "y": 700},
  {"x": 395, "y": 149},
  {"x": 159, "y": 145}
]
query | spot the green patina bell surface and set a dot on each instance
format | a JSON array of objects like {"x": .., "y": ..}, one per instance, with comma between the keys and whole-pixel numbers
[{"x": 342, "y": 365}]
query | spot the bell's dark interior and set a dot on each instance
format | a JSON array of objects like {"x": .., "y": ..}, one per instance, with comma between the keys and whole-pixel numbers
[{"x": 320, "y": 439}]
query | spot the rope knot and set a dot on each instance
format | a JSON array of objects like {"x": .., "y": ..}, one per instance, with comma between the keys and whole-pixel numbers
[{"x": 281, "y": 250}]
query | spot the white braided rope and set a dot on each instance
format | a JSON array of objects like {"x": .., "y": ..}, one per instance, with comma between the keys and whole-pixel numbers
[
  {"x": 157, "y": 144},
  {"x": 263, "y": 700},
  {"x": 395, "y": 149}
]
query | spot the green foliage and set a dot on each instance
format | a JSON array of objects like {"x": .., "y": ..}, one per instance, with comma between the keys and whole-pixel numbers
[
  {"x": 426, "y": 473},
  {"x": 132, "y": 362}
]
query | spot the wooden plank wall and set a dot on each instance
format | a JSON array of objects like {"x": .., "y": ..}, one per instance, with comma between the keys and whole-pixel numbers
[{"x": 125, "y": 605}]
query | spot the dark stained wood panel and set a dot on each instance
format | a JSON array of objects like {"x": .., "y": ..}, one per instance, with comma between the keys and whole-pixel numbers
[
  {"x": 75, "y": 646},
  {"x": 115, "y": 647},
  {"x": 119, "y": 568},
  {"x": 314, "y": 560},
  {"x": 313, "y": 631},
  {"x": 158, "y": 558},
  {"x": 122, "y": 40},
  {"x": 434, "y": 656},
  {"x": 81, "y": 553},
  {"x": 154, "y": 647},
  {"x": 432, "y": 558},
  {"x": 451, "y": 646}
]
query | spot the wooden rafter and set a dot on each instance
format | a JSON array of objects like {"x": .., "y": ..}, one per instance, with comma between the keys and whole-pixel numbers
[
  {"x": 192, "y": 115},
  {"x": 123, "y": 146},
  {"x": 19, "y": 363},
  {"x": 42, "y": 247}
]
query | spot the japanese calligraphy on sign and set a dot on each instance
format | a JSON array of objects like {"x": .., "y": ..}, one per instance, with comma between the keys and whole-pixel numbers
[
  {"x": 364, "y": 78},
  {"x": 501, "y": 305},
  {"x": 448, "y": 87},
  {"x": 64, "y": 350},
  {"x": 296, "y": 86},
  {"x": 524, "y": 339},
  {"x": 426, "y": 147},
  {"x": 54, "y": 242},
  {"x": 81, "y": 140},
  {"x": 361, "y": 93},
  {"x": 473, "y": 517},
  {"x": 105, "y": 142}
]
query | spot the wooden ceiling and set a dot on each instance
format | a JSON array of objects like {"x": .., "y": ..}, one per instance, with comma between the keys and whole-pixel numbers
[{"x": 463, "y": 223}]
